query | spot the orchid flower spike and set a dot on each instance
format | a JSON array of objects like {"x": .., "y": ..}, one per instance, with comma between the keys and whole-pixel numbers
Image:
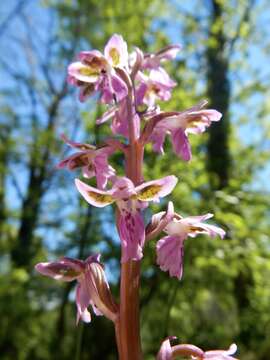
[
  {"x": 129, "y": 200},
  {"x": 92, "y": 288},
  {"x": 170, "y": 249}
]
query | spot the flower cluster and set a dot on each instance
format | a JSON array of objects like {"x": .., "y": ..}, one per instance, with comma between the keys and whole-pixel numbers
[{"x": 131, "y": 86}]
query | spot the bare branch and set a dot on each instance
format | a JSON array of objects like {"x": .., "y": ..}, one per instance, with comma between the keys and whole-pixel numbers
[
  {"x": 15, "y": 11},
  {"x": 244, "y": 18}
]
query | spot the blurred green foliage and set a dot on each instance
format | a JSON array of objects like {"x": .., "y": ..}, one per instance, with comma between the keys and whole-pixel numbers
[{"x": 224, "y": 295}]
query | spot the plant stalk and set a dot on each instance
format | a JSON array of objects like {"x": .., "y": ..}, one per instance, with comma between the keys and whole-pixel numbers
[{"x": 128, "y": 327}]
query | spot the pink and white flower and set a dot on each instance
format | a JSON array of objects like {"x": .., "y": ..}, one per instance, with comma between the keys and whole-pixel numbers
[
  {"x": 92, "y": 160},
  {"x": 97, "y": 72},
  {"x": 120, "y": 119},
  {"x": 92, "y": 288},
  {"x": 156, "y": 86},
  {"x": 129, "y": 200},
  {"x": 153, "y": 61},
  {"x": 169, "y": 352},
  {"x": 192, "y": 121},
  {"x": 170, "y": 249}
]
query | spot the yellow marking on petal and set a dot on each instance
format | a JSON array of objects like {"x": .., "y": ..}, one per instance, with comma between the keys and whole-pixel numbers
[
  {"x": 87, "y": 147},
  {"x": 196, "y": 228},
  {"x": 149, "y": 192},
  {"x": 195, "y": 120},
  {"x": 87, "y": 71},
  {"x": 114, "y": 54},
  {"x": 69, "y": 272},
  {"x": 100, "y": 198}
]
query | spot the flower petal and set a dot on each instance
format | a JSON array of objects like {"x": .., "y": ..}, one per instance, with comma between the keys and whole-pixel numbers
[
  {"x": 119, "y": 87},
  {"x": 83, "y": 72},
  {"x": 76, "y": 160},
  {"x": 221, "y": 354},
  {"x": 161, "y": 77},
  {"x": 103, "y": 170},
  {"x": 132, "y": 235},
  {"x": 152, "y": 61},
  {"x": 170, "y": 252},
  {"x": 116, "y": 51},
  {"x": 97, "y": 287},
  {"x": 212, "y": 230},
  {"x": 123, "y": 188},
  {"x": 181, "y": 144},
  {"x": 153, "y": 190},
  {"x": 158, "y": 138},
  {"x": 94, "y": 196},
  {"x": 169, "y": 52},
  {"x": 159, "y": 221},
  {"x": 165, "y": 352},
  {"x": 65, "y": 269},
  {"x": 110, "y": 113},
  {"x": 198, "y": 218},
  {"x": 77, "y": 145},
  {"x": 82, "y": 302}
]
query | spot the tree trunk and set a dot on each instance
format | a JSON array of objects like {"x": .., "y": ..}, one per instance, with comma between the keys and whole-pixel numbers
[{"x": 218, "y": 90}]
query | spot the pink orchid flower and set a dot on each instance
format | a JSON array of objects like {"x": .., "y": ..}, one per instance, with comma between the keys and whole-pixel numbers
[
  {"x": 129, "y": 200},
  {"x": 153, "y": 61},
  {"x": 120, "y": 119},
  {"x": 169, "y": 352},
  {"x": 92, "y": 160},
  {"x": 92, "y": 288},
  {"x": 97, "y": 72},
  {"x": 192, "y": 121},
  {"x": 170, "y": 249},
  {"x": 157, "y": 86}
]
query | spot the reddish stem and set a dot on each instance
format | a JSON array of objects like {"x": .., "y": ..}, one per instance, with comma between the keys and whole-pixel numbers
[
  {"x": 128, "y": 325},
  {"x": 129, "y": 321}
]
